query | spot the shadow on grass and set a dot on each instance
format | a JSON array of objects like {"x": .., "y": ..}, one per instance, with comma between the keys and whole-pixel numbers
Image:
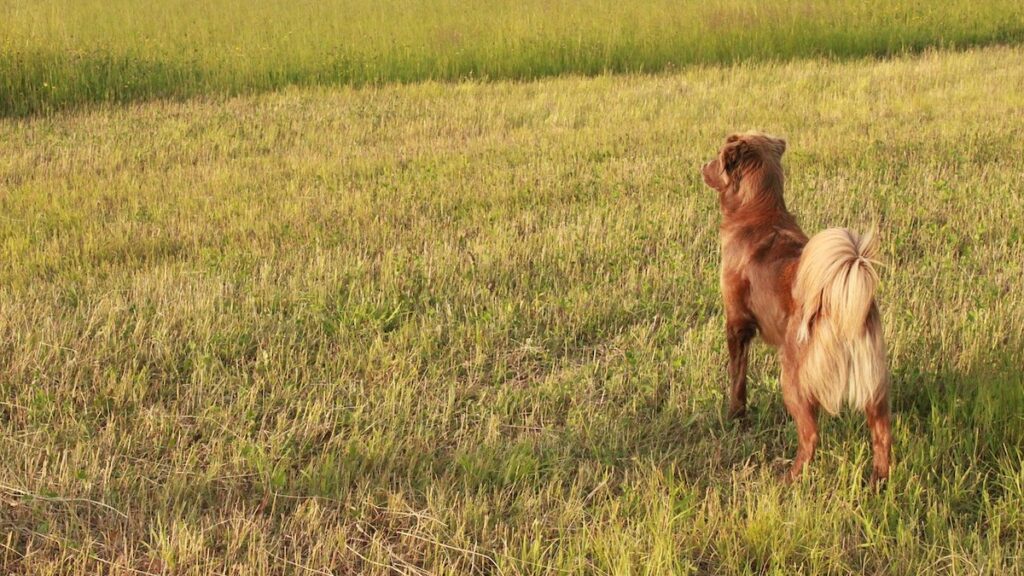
[
  {"x": 941, "y": 421},
  {"x": 42, "y": 82}
]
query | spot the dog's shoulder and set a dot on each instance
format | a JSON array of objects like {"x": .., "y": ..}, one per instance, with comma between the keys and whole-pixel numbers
[{"x": 759, "y": 241}]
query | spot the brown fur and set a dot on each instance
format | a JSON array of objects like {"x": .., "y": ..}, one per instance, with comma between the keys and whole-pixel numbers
[{"x": 816, "y": 306}]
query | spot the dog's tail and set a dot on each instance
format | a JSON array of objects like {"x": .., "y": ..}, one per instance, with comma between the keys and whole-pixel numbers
[{"x": 840, "y": 329}]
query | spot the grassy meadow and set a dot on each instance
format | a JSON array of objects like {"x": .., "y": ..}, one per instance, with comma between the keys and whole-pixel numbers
[
  {"x": 56, "y": 54},
  {"x": 475, "y": 328}
]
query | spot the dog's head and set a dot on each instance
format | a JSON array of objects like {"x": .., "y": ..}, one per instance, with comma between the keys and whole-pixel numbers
[{"x": 747, "y": 170}]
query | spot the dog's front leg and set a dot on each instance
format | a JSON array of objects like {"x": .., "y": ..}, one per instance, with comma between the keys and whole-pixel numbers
[{"x": 738, "y": 334}]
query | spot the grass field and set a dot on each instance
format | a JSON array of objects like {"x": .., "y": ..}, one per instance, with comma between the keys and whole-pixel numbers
[
  {"x": 475, "y": 328},
  {"x": 56, "y": 54}
]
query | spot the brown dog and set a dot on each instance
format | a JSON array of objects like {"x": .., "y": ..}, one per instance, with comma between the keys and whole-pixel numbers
[{"x": 811, "y": 299}]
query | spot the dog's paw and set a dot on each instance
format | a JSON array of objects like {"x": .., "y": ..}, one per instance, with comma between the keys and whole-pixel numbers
[
  {"x": 792, "y": 473},
  {"x": 878, "y": 482},
  {"x": 787, "y": 477},
  {"x": 739, "y": 420},
  {"x": 737, "y": 411}
]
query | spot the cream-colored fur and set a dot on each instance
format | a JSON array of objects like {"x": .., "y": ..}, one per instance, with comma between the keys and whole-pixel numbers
[{"x": 838, "y": 320}]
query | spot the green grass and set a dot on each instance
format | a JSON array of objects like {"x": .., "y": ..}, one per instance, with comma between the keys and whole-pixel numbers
[
  {"x": 475, "y": 328},
  {"x": 56, "y": 54}
]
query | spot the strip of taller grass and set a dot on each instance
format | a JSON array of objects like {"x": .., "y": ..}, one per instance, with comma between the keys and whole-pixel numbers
[{"x": 60, "y": 53}]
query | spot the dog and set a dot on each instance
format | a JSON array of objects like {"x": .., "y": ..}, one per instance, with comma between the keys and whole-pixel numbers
[{"x": 811, "y": 299}]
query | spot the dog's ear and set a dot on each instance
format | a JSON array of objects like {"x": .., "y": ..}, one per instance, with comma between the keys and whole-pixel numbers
[
  {"x": 733, "y": 152},
  {"x": 780, "y": 145}
]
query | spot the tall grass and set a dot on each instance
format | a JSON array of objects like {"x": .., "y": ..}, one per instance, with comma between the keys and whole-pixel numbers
[
  {"x": 476, "y": 329},
  {"x": 60, "y": 53}
]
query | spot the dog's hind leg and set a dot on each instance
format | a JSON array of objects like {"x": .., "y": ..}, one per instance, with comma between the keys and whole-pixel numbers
[
  {"x": 877, "y": 413},
  {"x": 805, "y": 414},
  {"x": 738, "y": 335}
]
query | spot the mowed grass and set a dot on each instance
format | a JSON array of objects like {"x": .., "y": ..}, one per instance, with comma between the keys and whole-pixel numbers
[
  {"x": 56, "y": 54},
  {"x": 476, "y": 329}
]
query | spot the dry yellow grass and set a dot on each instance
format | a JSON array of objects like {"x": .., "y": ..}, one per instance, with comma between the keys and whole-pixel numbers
[{"x": 475, "y": 328}]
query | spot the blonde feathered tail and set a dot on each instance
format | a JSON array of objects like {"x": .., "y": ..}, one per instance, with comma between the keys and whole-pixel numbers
[{"x": 839, "y": 326}]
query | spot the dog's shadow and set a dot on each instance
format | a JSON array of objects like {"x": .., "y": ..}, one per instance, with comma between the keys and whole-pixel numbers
[
  {"x": 944, "y": 421},
  {"x": 950, "y": 427},
  {"x": 949, "y": 420}
]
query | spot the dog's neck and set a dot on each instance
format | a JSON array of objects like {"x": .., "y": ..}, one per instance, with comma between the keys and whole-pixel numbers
[
  {"x": 754, "y": 197},
  {"x": 756, "y": 191}
]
